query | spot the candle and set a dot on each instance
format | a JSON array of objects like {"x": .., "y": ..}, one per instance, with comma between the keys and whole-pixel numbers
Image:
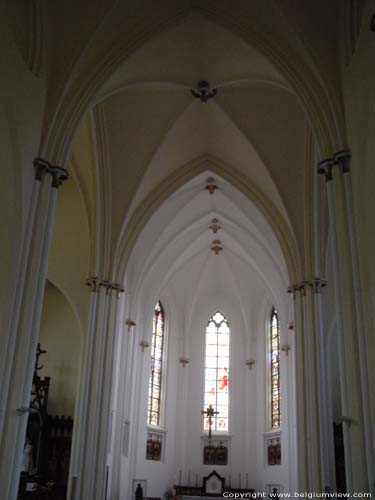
[
  {"x": 247, "y": 480},
  {"x": 196, "y": 479},
  {"x": 179, "y": 477},
  {"x": 230, "y": 481},
  {"x": 189, "y": 478},
  {"x": 239, "y": 480}
]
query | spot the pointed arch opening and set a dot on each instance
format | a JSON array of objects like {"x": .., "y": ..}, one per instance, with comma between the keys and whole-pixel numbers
[
  {"x": 216, "y": 372},
  {"x": 156, "y": 367},
  {"x": 274, "y": 349}
]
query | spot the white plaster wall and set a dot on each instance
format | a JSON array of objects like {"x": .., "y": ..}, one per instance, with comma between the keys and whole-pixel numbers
[
  {"x": 184, "y": 403},
  {"x": 60, "y": 337},
  {"x": 273, "y": 474},
  {"x": 159, "y": 475}
]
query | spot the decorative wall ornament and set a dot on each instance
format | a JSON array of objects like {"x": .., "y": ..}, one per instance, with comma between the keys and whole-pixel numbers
[
  {"x": 215, "y": 227},
  {"x": 203, "y": 92},
  {"x": 184, "y": 361},
  {"x": 273, "y": 450},
  {"x": 215, "y": 454},
  {"x": 250, "y": 363},
  {"x": 144, "y": 344},
  {"x": 216, "y": 247},
  {"x": 130, "y": 324},
  {"x": 286, "y": 348},
  {"x": 211, "y": 186},
  {"x": 154, "y": 445},
  {"x": 291, "y": 326}
]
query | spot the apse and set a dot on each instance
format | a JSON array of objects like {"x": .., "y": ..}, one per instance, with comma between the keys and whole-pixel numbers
[{"x": 207, "y": 252}]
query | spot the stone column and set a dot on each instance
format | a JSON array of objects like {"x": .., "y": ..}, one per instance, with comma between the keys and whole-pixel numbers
[
  {"x": 348, "y": 348},
  {"x": 25, "y": 323},
  {"x": 316, "y": 287},
  {"x": 89, "y": 470},
  {"x": 307, "y": 379},
  {"x": 302, "y": 464},
  {"x": 343, "y": 160}
]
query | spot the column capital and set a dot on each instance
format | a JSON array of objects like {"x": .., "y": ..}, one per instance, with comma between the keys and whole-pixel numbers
[
  {"x": 95, "y": 283},
  {"x": 325, "y": 168},
  {"x": 42, "y": 167},
  {"x": 298, "y": 287},
  {"x": 342, "y": 159},
  {"x": 315, "y": 284}
]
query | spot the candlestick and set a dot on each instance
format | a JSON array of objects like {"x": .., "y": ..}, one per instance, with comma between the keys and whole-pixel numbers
[
  {"x": 239, "y": 480},
  {"x": 180, "y": 477},
  {"x": 196, "y": 479},
  {"x": 247, "y": 480},
  {"x": 230, "y": 481},
  {"x": 189, "y": 478}
]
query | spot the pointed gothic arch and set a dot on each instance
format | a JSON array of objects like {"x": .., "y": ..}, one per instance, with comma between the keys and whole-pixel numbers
[{"x": 317, "y": 96}]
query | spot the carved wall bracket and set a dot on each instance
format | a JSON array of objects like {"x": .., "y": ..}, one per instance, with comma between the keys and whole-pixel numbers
[
  {"x": 144, "y": 344},
  {"x": 184, "y": 361},
  {"x": 286, "y": 348},
  {"x": 250, "y": 363},
  {"x": 130, "y": 324}
]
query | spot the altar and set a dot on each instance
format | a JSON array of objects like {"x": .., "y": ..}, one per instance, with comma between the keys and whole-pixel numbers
[{"x": 213, "y": 487}]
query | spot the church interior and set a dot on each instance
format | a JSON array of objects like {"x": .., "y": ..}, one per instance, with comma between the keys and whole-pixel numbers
[{"x": 187, "y": 277}]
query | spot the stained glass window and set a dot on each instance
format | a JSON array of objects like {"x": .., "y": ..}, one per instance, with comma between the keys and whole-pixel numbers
[
  {"x": 275, "y": 369},
  {"x": 216, "y": 391},
  {"x": 157, "y": 344}
]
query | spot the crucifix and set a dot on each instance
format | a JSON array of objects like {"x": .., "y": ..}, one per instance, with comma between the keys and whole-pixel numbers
[{"x": 210, "y": 412}]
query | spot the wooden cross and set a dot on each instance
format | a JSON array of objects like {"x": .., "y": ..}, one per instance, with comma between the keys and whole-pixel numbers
[{"x": 210, "y": 412}]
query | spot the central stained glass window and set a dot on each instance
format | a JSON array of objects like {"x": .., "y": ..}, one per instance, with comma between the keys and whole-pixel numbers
[{"x": 216, "y": 390}]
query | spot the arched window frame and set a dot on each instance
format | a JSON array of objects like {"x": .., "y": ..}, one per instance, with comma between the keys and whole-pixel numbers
[
  {"x": 162, "y": 389},
  {"x": 215, "y": 428},
  {"x": 274, "y": 372}
]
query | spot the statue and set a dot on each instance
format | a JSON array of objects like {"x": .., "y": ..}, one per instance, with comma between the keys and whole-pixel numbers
[{"x": 139, "y": 492}]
